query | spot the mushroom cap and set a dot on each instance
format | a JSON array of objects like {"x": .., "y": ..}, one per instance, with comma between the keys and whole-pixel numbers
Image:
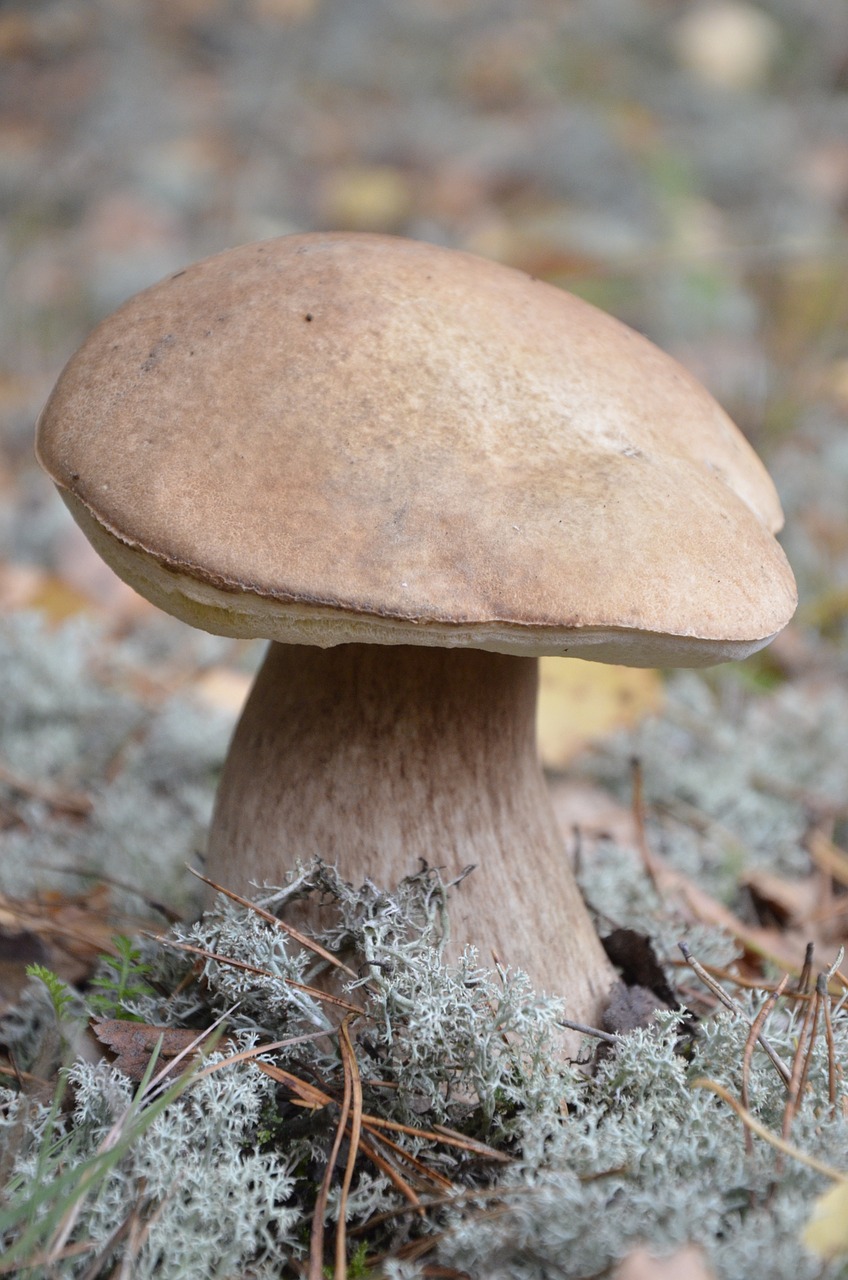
[{"x": 334, "y": 438}]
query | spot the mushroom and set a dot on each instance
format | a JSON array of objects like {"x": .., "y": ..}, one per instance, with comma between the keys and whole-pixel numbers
[{"x": 413, "y": 471}]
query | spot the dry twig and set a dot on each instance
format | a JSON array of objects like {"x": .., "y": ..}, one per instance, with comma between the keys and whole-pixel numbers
[
  {"x": 728, "y": 1001},
  {"x": 652, "y": 869},
  {"x": 753, "y": 1036}
]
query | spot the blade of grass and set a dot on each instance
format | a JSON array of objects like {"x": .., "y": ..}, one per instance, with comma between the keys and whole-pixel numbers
[{"x": 48, "y": 1210}]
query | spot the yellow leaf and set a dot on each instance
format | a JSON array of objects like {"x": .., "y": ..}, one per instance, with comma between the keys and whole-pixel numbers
[
  {"x": 26, "y": 587},
  {"x": 367, "y": 198},
  {"x": 826, "y": 1233},
  {"x": 580, "y": 702},
  {"x": 223, "y": 688}
]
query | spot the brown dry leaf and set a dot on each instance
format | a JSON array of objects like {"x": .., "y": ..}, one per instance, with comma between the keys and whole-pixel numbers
[
  {"x": 18, "y": 949},
  {"x": 633, "y": 955},
  {"x": 595, "y": 816},
  {"x": 687, "y": 1263},
  {"x": 586, "y": 809},
  {"x": 74, "y": 931},
  {"x": 828, "y": 857},
  {"x": 783, "y": 948},
  {"x": 581, "y": 702},
  {"x": 134, "y": 1042},
  {"x": 790, "y": 902}
]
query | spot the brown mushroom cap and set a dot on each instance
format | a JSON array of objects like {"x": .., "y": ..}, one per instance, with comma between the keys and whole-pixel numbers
[{"x": 337, "y": 438}]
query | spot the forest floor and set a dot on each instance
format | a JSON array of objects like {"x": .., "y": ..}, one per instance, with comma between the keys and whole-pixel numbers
[{"x": 684, "y": 166}]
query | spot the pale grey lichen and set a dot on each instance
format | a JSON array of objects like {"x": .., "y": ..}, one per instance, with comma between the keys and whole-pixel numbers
[
  {"x": 602, "y": 1157},
  {"x": 645, "y": 1157},
  {"x": 731, "y": 780},
  {"x": 211, "y": 1200},
  {"x": 70, "y": 718}
]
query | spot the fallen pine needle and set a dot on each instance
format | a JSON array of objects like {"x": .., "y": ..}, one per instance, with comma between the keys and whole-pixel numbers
[
  {"x": 316, "y": 1239},
  {"x": 753, "y": 1037},
  {"x": 761, "y": 1131},
  {"x": 325, "y": 996},
  {"x": 309, "y": 943},
  {"x": 354, "y": 1084}
]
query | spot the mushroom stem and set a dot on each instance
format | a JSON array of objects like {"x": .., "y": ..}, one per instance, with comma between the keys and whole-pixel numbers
[{"x": 376, "y": 757}]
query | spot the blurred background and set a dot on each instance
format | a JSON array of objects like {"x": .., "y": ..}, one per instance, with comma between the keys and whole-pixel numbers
[{"x": 682, "y": 163}]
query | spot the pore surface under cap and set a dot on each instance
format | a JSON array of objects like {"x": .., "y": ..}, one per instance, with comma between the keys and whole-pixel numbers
[{"x": 380, "y": 434}]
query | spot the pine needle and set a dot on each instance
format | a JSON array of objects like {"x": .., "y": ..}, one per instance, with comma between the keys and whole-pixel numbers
[{"x": 302, "y": 939}]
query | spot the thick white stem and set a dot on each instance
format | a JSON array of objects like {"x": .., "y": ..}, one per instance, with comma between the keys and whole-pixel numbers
[{"x": 375, "y": 758}]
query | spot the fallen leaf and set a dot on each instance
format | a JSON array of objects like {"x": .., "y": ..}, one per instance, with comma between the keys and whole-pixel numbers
[
  {"x": 787, "y": 902},
  {"x": 27, "y": 587},
  {"x": 633, "y": 954},
  {"x": 74, "y": 930},
  {"x": 827, "y": 856},
  {"x": 367, "y": 198},
  {"x": 826, "y": 1232},
  {"x": 222, "y": 688},
  {"x": 581, "y": 702},
  {"x": 784, "y": 948},
  {"x": 594, "y": 814},
  {"x": 629, "y": 1008},
  {"x": 134, "y": 1042},
  {"x": 18, "y": 949}
]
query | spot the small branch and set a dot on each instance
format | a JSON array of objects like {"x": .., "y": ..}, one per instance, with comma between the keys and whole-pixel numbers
[
  {"x": 645, "y": 852},
  {"x": 325, "y": 996},
  {"x": 316, "y": 1239},
  {"x": 800, "y": 1065},
  {"x": 803, "y": 984},
  {"x": 606, "y": 1036},
  {"x": 821, "y": 986}
]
